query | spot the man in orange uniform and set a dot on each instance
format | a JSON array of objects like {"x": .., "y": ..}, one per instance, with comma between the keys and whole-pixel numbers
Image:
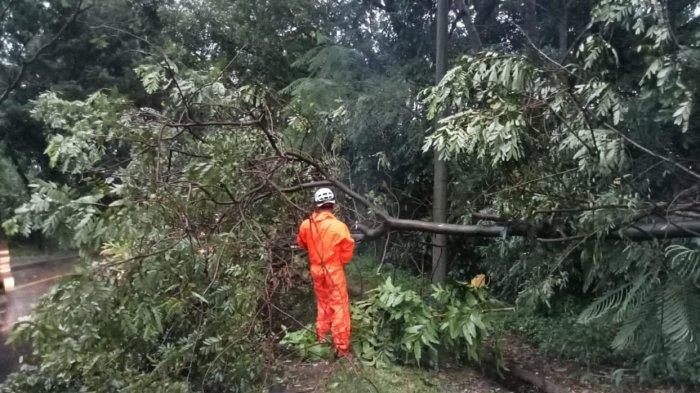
[{"x": 330, "y": 248}]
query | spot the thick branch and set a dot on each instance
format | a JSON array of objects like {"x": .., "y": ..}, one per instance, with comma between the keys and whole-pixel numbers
[
  {"x": 640, "y": 232},
  {"x": 216, "y": 123},
  {"x": 303, "y": 186},
  {"x": 648, "y": 231}
]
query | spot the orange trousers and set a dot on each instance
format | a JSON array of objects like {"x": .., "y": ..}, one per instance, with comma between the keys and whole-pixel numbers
[{"x": 332, "y": 305}]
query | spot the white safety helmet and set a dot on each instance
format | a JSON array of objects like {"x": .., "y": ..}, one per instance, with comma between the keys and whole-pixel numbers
[{"x": 324, "y": 196}]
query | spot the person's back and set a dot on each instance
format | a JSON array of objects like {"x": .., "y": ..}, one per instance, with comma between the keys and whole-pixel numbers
[
  {"x": 327, "y": 239},
  {"x": 330, "y": 247}
]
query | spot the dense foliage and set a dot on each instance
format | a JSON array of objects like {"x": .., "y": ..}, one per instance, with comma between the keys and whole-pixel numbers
[
  {"x": 396, "y": 324},
  {"x": 599, "y": 143},
  {"x": 172, "y": 304},
  {"x": 411, "y": 322},
  {"x": 173, "y": 143}
]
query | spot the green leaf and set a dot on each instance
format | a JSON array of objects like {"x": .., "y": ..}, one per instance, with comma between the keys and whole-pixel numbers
[{"x": 199, "y": 297}]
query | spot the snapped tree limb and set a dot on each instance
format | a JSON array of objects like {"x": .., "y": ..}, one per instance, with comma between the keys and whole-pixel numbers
[
  {"x": 638, "y": 232},
  {"x": 669, "y": 227}
]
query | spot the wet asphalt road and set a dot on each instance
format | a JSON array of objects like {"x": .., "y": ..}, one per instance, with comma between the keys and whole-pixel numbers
[{"x": 30, "y": 283}]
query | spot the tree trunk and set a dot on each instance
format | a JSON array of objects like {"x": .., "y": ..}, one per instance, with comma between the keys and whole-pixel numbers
[
  {"x": 563, "y": 28},
  {"x": 531, "y": 22},
  {"x": 440, "y": 167},
  {"x": 474, "y": 37},
  {"x": 19, "y": 169}
]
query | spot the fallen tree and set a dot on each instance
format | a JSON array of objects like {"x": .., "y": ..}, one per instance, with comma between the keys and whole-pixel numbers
[
  {"x": 669, "y": 228},
  {"x": 217, "y": 188}
]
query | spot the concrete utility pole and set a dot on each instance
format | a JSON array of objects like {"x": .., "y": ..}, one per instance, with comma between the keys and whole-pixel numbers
[{"x": 440, "y": 168}]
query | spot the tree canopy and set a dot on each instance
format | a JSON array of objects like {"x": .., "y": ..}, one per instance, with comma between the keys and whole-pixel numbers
[{"x": 176, "y": 143}]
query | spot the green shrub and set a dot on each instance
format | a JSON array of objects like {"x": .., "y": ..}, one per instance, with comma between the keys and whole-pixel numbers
[
  {"x": 164, "y": 329},
  {"x": 305, "y": 343},
  {"x": 174, "y": 302},
  {"x": 397, "y": 325},
  {"x": 551, "y": 331}
]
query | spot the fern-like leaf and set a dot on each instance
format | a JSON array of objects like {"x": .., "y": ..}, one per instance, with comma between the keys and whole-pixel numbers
[{"x": 685, "y": 261}]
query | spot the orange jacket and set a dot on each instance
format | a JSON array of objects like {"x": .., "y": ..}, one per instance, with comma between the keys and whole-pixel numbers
[{"x": 326, "y": 239}]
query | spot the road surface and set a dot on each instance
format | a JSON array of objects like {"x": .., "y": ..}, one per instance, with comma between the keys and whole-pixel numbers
[{"x": 31, "y": 281}]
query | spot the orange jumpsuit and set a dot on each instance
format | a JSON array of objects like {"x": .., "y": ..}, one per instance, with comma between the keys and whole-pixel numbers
[{"x": 330, "y": 248}]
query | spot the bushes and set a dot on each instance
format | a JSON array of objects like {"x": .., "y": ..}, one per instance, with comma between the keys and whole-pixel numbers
[
  {"x": 162, "y": 329},
  {"x": 366, "y": 273},
  {"x": 175, "y": 300},
  {"x": 551, "y": 331},
  {"x": 396, "y": 325}
]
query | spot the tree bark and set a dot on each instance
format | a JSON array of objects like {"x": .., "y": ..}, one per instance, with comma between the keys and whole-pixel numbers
[
  {"x": 19, "y": 168},
  {"x": 640, "y": 232},
  {"x": 439, "y": 166},
  {"x": 531, "y": 22},
  {"x": 474, "y": 37},
  {"x": 672, "y": 227},
  {"x": 563, "y": 28}
]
